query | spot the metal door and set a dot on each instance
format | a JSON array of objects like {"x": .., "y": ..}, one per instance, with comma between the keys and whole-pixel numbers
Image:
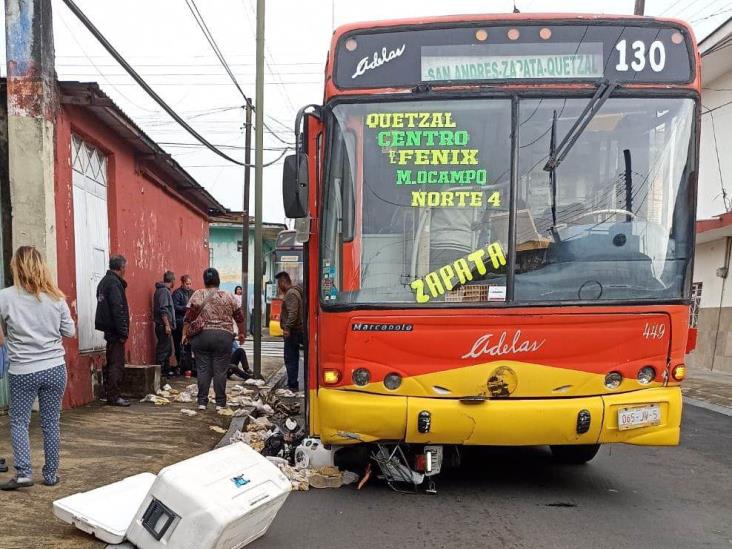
[{"x": 91, "y": 235}]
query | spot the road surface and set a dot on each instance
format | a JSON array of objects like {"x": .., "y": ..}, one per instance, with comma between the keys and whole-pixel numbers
[{"x": 627, "y": 497}]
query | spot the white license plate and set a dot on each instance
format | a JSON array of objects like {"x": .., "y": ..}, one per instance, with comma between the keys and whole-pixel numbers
[{"x": 639, "y": 416}]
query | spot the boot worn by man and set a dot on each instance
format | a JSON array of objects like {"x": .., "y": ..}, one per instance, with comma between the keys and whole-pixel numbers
[{"x": 119, "y": 402}]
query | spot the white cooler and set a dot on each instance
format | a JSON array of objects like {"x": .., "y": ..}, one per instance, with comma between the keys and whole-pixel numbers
[
  {"x": 223, "y": 499},
  {"x": 107, "y": 511}
]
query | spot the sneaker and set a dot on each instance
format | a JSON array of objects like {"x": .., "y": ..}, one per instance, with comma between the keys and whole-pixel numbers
[
  {"x": 202, "y": 407},
  {"x": 119, "y": 402},
  {"x": 15, "y": 483}
]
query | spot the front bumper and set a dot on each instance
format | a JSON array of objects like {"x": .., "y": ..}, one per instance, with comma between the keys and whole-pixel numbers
[{"x": 349, "y": 417}]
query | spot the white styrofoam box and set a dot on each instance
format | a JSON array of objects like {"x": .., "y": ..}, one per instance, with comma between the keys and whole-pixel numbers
[
  {"x": 223, "y": 499},
  {"x": 105, "y": 512}
]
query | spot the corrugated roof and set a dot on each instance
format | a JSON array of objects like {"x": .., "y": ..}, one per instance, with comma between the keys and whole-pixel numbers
[{"x": 88, "y": 95}]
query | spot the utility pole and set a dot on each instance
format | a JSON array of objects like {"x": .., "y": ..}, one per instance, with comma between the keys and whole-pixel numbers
[
  {"x": 640, "y": 7},
  {"x": 259, "y": 159},
  {"x": 245, "y": 214},
  {"x": 32, "y": 107}
]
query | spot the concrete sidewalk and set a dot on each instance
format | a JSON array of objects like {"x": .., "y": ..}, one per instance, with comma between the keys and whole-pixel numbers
[
  {"x": 101, "y": 445},
  {"x": 710, "y": 390}
]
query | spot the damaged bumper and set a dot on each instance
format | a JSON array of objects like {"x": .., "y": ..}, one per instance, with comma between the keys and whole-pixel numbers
[{"x": 349, "y": 417}]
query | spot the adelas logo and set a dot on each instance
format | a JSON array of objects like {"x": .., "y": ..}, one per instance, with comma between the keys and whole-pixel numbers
[
  {"x": 381, "y": 327},
  {"x": 378, "y": 59}
]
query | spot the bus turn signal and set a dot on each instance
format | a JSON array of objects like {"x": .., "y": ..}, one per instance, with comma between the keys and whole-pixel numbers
[{"x": 331, "y": 377}]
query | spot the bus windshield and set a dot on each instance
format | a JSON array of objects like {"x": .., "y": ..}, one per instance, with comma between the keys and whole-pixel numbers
[{"x": 417, "y": 205}]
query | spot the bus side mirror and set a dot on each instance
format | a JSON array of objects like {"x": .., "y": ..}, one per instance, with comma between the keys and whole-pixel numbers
[{"x": 295, "y": 186}]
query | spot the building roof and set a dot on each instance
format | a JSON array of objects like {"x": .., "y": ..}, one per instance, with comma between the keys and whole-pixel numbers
[
  {"x": 88, "y": 95},
  {"x": 720, "y": 226},
  {"x": 233, "y": 220},
  {"x": 714, "y": 49}
]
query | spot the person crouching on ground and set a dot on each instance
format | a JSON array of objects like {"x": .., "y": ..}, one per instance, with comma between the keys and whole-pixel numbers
[
  {"x": 208, "y": 325},
  {"x": 164, "y": 317},
  {"x": 291, "y": 321},
  {"x": 181, "y": 296},
  {"x": 36, "y": 318},
  {"x": 113, "y": 318}
]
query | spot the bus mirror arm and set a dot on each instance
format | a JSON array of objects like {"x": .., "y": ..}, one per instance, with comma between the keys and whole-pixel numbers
[{"x": 295, "y": 170}]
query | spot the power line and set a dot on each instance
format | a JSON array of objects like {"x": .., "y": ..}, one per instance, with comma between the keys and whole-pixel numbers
[
  {"x": 717, "y": 107},
  {"x": 159, "y": 100},
  {"x": 719, "y": 166},
  {"x": 214, "y": 46}
]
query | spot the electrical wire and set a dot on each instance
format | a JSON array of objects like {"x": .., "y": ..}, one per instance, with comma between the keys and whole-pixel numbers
[
  {"x": 159, "y": 100},
  {"x": 719, "y": 166},
  {"x": 215, "y": 47}
]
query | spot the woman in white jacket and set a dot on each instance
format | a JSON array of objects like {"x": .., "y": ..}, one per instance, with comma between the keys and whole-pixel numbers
[{"x": 35, "y": 317}]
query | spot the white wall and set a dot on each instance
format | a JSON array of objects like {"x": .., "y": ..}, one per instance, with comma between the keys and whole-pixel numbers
[
  {"x": 709, "y": 257},
  {"x": 709, "y": 202}
]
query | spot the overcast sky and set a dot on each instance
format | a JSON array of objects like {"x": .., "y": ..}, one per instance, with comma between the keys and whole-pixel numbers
[{"x": 162, "y": 41}]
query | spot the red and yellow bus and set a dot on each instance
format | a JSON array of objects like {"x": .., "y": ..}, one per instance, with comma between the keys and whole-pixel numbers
[
  {"x": 499, "y": 221},
  {"x": 287, "y": 257}
]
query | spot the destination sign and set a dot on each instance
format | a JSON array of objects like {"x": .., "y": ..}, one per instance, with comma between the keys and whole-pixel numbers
[
  {"x": 478, "y": 51},
  {"x": 511, "y": 67}
]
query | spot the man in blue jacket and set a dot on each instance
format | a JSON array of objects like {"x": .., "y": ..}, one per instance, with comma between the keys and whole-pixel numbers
[
  {"x": 181, "y": 297},
  {"x": 164, "y": 318},
  {"x": 113, "y": 318}
]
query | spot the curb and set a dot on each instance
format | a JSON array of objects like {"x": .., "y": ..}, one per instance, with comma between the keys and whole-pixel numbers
[
  {"x": 277, "y": 379},
  {"x": 724, "y": 410}
]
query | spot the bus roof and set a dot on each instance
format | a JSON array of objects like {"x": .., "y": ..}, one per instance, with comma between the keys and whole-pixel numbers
[{"x": 331, "y": 89}]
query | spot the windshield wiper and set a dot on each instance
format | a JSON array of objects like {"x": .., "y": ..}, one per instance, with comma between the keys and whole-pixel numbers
[{"x": 557, "y": 155}]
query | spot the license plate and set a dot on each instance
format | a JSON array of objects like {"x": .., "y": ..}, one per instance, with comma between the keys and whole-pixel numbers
[{"x": 639, "y": 416}]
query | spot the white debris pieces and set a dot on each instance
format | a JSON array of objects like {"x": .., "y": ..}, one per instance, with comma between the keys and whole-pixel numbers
[
  {"x": 217, "y": 429},
  {"x": 155, "y": 399},
  {"x": 183, "y": 397},
  {"x": 188, "y": 412},
  {"x": 255, "y": 382}
]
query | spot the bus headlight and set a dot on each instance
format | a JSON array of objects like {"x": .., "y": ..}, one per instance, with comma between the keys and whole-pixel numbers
[
  {"x": 613, "y": 380},
  {"x": 646, "y": 375},
  {"x": 361, "y": 377},
  {"x": 392, "y": 381}
]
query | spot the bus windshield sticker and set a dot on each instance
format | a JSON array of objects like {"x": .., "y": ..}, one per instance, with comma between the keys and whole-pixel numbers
[
  {"x": 459, "y": 272},
  {"x": 415, "y": 142}
]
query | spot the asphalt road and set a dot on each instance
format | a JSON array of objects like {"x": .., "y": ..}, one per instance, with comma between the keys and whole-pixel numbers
[{"x": 627, "y": 497}]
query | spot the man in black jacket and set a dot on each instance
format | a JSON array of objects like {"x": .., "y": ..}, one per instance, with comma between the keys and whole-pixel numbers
[
  {"x": 113, "y": 318},
  {"x": 181, "y": 296},
  {"x": 164, "y": 318}
]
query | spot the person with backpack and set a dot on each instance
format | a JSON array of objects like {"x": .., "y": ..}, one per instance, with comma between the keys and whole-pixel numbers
[{"x": 35, "y": 319}]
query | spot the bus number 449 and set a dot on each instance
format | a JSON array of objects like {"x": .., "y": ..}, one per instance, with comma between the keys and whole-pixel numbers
[
  {"x": 654, "y": 331},
  {"x": 655, "y": 55}
]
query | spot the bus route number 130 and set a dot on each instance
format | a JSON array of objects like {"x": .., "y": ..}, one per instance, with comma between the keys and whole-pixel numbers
[{"x": 654, "y": 55}]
